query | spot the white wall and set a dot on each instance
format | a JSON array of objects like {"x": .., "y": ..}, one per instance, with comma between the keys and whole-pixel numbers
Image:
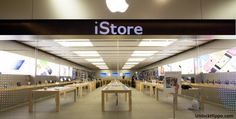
[{"x": 138, "y": 9}]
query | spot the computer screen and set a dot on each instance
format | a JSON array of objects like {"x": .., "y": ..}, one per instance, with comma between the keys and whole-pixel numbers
[
  {"x": 115, "y": 74},
  {"x": 103, "y": 74},
  {"x": 127, "y": 74}
]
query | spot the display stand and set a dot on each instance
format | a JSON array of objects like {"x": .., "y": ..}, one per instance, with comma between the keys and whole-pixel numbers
[
  {"x": 172, "y": 85},
  {"x": 201, "y": 100},
  {"x": 171, "y": 80}
]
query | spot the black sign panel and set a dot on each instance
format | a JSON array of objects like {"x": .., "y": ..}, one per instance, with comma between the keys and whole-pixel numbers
[{"x": 117, "y": 27}]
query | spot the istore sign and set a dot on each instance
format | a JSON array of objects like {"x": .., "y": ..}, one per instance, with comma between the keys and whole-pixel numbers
[
  {"x": 106, "y": 28},
  {"x": 117, "y": 27}
]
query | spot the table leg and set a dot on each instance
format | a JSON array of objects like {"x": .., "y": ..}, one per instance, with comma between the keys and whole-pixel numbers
[
  {"x": 150, "y": 90},
  {"x": 57, "y": 98},
  {"x": 106, "y": 97},
  {"x": 126, "y": 97},
  {"x": 157, "y": 94},
  {"x": 103, "y": 102},
  {"x": 117, "y": 99},
  {"x": 80, "y": 91},
  {"x": 90, "y": 87},
  {"x": 75, "y": 92},
  {"x": 176, "y": 101},
  {"x": 140, "y": 87},
  {"x": 31, "y": 101},
  {"x": 201, "y": 100},
  {"x": 130, "y": 101}
]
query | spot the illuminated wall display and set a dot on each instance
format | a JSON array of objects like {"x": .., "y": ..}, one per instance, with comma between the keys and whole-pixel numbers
[
  {"x": 103, "y": 74},
  {"x": 115, "y": 74},
  {"x": 221, "y": 61},
  {"x": 11, "y": 63},
  {"x": 45, "y": 68},
  {"x": 64, "y": 70},
  {"x": 105, "y": 28}
]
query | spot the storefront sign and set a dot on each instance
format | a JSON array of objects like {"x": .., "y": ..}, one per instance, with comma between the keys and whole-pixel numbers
[
  {"x": 117, "y": 27},
  {"x": 106, "y": 28}
]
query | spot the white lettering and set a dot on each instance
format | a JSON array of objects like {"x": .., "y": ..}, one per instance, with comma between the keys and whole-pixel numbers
[
  {"x": 138, "y": 30},
  {"x": 105, "y": 28},
  {"x": 120, "y": 29},
  {"x": 96, "y": 27},
  {"x": 113, "y": 27},
  {"x": 129, "y": 28}
]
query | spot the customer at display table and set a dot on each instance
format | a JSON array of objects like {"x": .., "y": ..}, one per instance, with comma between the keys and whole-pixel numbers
[
  {"x": 133, "y": 79},
  {"x": 123, "y": 77}
]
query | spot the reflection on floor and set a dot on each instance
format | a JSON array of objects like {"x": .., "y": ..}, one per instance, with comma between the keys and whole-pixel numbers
[{"x": 89, "y": 107}]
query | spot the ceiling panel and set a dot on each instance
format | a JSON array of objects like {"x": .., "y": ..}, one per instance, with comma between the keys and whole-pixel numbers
[{"x": 115, "y": 52}]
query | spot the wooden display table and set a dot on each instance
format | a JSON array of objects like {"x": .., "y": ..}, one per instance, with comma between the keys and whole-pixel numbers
[
  {"x": 55, "y": 90},
  {"x": 126, "y": 81},
  {"x": 148, "y": 84},
  {"x": 137, "y": 84},
  {"x": 79, "y": 87},
  {"x": 105, "y": 81},
  {"x": 116, "y": 87},
  {"x": 26, "y": 87},
  {"x": 92, "y": 85}
]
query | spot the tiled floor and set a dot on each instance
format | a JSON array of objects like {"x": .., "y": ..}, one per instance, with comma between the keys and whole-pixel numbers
[{"x": 89, "y": 107}]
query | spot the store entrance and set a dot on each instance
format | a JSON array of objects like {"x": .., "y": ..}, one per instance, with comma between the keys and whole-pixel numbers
[{"x": 138, "y": 69}]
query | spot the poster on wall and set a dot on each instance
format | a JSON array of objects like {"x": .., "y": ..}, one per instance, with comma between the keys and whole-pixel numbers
[
  {"x": 64, "y": 70},
  {"x": 162, "y": 71},
  {"x": 185, "y": 66},
  {"x": 221, "y": 61},
  {"x": 74, "y": 74},
  {"x": 11, "y": 63},
  {"x": 45, "y": 68},
  {"x": 70, "y": 71}
]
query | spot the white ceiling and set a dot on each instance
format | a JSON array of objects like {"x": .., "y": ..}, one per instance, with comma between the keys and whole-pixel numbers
[{"x": 114, "y": 51}]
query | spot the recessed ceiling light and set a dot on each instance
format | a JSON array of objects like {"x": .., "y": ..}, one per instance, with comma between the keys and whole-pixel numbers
[
  {"x": 95, "y": 60},
  {"x": 126, "y": 68},
  {"x": 135, "y": 59},
  {"x": 128, "y": 65},
  {"x": 87, "y": 53},
  {"x": 75, "y": 43},
  {"x": 104, "y": 67},
  {"x": 156, "y": 42},
  {"x": 66, "y": 40},
  {"x": 99, "y": 63},
  {"x": 143, "y": 53},
  {"x": 132, "y": 63}
]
